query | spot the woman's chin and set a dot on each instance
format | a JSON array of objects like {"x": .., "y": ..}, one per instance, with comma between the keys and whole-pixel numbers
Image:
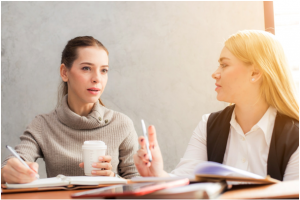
[
  {"x": 221, "y": 98},
  {"x": 92, "y": 100}
]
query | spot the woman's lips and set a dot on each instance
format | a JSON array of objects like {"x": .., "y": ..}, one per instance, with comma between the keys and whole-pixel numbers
[
  {"x": 94, "y": 91},
  {"x": 218, "y": 87}
]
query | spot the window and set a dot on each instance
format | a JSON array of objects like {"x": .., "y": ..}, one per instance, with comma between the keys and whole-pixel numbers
[{"x": 287, "y": 30}]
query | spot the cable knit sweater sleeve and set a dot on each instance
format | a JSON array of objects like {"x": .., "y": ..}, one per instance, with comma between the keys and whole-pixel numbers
[
  {"x": 127, "y": 149},
  {"x": 29, "y": 148}
]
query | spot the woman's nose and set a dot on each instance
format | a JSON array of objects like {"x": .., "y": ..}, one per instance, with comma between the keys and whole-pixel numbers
[
  {"x": 96, "y": 78},
  {"x": 216, "y": 74}
]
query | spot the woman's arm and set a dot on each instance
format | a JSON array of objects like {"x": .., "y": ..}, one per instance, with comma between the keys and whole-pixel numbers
[
  {"x": 12, "y": 171},
  {"x": 127, "y": 149},
  {"x": 196, "y": 151},
  {"x": 292, "y": 168}
]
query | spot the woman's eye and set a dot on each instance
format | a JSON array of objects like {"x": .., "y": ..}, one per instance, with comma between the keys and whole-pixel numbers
[
  {"x": 223, "y": 65},
  {"x": 104, "y": 70},
  {"x": 86, "y": 68}
]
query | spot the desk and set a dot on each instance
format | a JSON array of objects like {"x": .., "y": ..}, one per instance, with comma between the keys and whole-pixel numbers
[
  {"x": 58, "y": 194},
  {"x": 289, "y": 189}
]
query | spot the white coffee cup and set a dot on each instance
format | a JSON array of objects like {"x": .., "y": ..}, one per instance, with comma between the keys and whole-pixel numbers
[{"x": 91, "y": 151}]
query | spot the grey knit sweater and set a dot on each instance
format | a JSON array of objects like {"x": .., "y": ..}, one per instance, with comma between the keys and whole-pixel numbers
[{"x": 58, "y": 138}]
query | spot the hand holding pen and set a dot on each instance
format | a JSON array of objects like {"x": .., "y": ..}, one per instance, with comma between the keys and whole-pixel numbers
[
  {"x": 17, "y": 170},
  {"x": 149, "y": 164}
]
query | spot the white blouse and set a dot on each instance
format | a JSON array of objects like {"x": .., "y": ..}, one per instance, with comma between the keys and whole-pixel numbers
[{"x": 248, "y": 151}]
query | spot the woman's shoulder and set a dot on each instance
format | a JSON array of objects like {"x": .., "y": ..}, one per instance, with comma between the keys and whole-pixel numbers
[
  {"x": 121, "y": 119},
  {"x": 204, "y": 119},
  {"x": 45, "y": 116},
  {"x": 38, "y": 121}
]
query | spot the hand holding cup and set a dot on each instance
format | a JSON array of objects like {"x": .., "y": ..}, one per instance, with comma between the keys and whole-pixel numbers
[
  {"x": 104, "y": 166},
  {"x": 95, "y": 162}
]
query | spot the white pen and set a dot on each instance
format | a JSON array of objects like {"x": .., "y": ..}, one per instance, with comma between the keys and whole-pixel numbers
[
  {"x": 20, "y": 159},
  {"x": 147, "y": 141}
]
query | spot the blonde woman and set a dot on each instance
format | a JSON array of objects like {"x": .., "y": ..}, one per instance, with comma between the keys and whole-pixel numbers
[{"x": 259, "y": 132}]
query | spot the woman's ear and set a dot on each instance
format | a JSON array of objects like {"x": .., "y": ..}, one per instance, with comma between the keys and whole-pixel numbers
[
  {"x": 63, "y": 73},
  {"x": 256, "y": 74}
]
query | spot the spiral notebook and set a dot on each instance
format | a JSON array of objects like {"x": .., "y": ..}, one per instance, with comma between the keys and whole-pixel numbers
[{"x": 62, "y": 182}]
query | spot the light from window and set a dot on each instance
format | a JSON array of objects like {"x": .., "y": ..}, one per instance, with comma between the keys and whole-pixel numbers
[{"x": 287, "y": 30}]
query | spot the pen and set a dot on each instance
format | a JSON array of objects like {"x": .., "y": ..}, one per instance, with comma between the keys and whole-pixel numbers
[
  {"x": 20, "y": 159},
  {"x": 147, "y": 141}
]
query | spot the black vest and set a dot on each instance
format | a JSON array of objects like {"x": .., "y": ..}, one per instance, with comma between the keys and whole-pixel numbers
[{"x": 284, "y": 142}]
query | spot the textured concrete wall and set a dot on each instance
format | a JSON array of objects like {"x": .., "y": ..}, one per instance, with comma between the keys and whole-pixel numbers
[{"x": 162, "y": 55}]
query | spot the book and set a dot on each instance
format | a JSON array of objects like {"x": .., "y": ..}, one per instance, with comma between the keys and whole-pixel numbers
[
  {"x": 212, "y": 171},
  {"x": 281, "y": 190},
  {"x": 130, "y": 190},
  {"x": 192, "y": 191},
  {"x": 64, "y": 182}
]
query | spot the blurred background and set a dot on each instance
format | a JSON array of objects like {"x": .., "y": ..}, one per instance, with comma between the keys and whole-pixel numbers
[{"x": 162, "y": 55}]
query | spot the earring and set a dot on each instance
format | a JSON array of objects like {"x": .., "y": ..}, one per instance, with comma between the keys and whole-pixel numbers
[{"x": 253, "y": 79}]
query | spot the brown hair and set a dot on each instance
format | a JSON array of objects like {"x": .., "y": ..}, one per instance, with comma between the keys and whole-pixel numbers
[{"x": 69, "y": 55}]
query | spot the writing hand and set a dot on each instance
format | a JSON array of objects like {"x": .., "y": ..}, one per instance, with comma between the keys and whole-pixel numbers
[{"x": 15, "y": 172}]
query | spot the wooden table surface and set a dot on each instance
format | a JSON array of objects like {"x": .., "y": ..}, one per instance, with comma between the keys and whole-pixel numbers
[{"x": 59, "y": 194}]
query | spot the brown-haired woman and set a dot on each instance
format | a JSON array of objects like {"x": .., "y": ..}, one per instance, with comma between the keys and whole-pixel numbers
[{"x": 57, "y": 137}]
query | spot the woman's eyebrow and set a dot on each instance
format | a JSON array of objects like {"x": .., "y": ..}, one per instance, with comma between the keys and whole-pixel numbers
[
  {"x": 223, "y": 58},
  {"x": 86, "y": 63}
]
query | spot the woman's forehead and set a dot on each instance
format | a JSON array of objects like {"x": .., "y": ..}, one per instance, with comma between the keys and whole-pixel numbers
[{"x": 92, "y": 55}]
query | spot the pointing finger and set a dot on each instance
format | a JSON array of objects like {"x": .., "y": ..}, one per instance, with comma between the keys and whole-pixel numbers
[{"x": 152, "y": 135}]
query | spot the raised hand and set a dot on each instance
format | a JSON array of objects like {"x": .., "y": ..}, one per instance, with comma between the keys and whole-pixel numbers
[{"x": 141, "y": 158}]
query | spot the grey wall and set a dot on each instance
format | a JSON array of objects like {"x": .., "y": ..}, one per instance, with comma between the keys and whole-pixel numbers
[{"x": 162, "y": 55}]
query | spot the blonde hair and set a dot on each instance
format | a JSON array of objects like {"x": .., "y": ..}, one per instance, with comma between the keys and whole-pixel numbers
[{"x": 263, "y": 50}]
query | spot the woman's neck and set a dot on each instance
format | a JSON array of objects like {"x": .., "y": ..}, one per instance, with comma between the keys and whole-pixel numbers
[
  {"x": 78, "y": 107},
  {"x": 249, "y": 115}
]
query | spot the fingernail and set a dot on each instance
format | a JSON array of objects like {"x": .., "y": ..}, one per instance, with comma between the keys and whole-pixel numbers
[
  {"x": 100, "y": 158},
  {"x": 94, "y": 165},
  {"x": 32, "y": 174},
  {"x": 93, "y": 172},
  {"x": 149, "y": 164}
]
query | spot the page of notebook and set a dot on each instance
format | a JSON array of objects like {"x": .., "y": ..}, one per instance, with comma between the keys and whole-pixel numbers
[
  {"x": 223, "y": 170},
  {"x": 43, "y": 182},
  {"x": 62, "y": 180},
  {"x": 95, "y": 180}
]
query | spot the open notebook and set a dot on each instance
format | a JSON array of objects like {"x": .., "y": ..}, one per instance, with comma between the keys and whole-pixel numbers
[
  {"x": 212, "y": 171},
  {"x": 65, "y": 182}
]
